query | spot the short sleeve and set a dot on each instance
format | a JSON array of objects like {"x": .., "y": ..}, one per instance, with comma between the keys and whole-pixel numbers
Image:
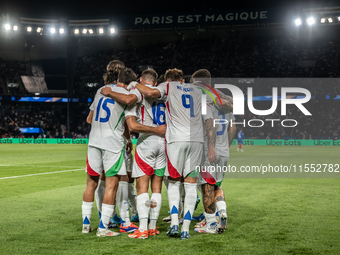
[
  {"x": 231, "y": 116},
  {"x": 136, "y": 92},
  {"x": 92, "y": 106},
  {"x": 131, "y": 110},
  {"x": 210, "y": 114},
  {"x": 164, "y": 90}
]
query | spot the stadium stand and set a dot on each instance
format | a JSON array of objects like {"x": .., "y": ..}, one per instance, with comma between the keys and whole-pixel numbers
[{"x": 256, "y": 57}]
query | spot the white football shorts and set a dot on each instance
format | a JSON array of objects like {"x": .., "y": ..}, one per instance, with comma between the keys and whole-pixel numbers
[
  {"x": 150, "y": 158},
  {"x": 183, "y": 158},
  {"x": 99, "y": 160}
]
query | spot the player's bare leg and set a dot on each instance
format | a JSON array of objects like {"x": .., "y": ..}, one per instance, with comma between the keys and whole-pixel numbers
[
  {"x": 88, "y": 199},
  {"x": 221, "y": 209},
  {"x": 209, "y": 208},
  {"x": 155, "y": 203}
]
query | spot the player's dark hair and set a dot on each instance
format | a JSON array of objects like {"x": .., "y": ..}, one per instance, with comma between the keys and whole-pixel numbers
[
  {"x": 160, "y": 79},
  {"x": 150, "y": 75},
  {"x": 126, "y": 76},
  {"x": 202, "y": 75},
  {"x": 187, "y": 78},
  {"x": 173, "y": 75},
  {"x": 112, "y": 72}
]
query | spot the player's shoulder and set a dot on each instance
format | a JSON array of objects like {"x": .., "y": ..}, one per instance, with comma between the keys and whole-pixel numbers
[
  {"x": 134, "y": 91},
  {"x": 122, "y": 90}
]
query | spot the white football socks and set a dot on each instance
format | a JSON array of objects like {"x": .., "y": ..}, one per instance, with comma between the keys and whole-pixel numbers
[
  {"x": 107, "y": 212},
  {"x": 156, "y": 198},
  {"x": 132, "y": 198},
  {"x": 221, "y": 205},
  {"x": 123, "y": 204},
  {"x": 173, "y": 197},
  {"x": 99, "y": 194},
  {"x": 189, "y": 204},
  {"x": 210, "y": 218},
  {"x": 86, "y": 210},
  {"x": 143, "y": 211}
]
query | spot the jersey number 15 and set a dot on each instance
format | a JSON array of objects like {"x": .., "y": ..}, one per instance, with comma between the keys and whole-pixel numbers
[{"x": 105, "y": 108}]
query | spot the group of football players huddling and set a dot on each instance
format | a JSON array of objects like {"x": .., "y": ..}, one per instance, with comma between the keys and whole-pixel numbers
[{"x": 179, "y": 144}]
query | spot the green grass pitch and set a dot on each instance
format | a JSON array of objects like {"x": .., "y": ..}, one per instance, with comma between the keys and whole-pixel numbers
[{"x": 41, "y": 213}]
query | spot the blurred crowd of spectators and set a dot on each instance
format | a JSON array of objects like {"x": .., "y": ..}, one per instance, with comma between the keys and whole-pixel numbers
[
  {"x": 224, "y": 57},
  {"x": 51, "y": 122},
  {"x": 10, "y": 71}
]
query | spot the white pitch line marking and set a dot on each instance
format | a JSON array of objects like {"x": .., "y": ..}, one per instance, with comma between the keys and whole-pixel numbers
[
  {"x": 71, "y": 170},
  {"x": 34, "y": 166}
]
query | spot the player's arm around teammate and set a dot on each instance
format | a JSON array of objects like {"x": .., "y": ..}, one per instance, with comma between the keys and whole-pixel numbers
[{"x": 149, "y": 163}]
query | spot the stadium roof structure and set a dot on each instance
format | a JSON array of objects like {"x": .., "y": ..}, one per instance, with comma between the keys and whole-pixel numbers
[{"x": 152, "y": 23}]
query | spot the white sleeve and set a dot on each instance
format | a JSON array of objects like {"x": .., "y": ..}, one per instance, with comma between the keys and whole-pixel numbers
[
  {"x": 210, "y": 100},
  {"x": 136, "y": 92},
  {"x": 209, "y": 114},
  {"x": 164, "y": 90},
  {"x": 92, "y": 106},
  {"x": 95, "y": 101},
  {"x": 131, "y": 110}
]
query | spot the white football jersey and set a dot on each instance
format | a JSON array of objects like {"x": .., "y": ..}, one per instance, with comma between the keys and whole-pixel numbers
[
  {"x": 149, "y": 112},
  {"x": 183, "y": 111},
  {"x": 107, "y": 126},
  {"x": 222, "y": 128}
]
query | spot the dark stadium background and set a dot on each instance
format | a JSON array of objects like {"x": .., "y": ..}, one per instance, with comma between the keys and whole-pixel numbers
[
  {"x": 106, "y": 8},
  {"x": 253, "y": 50}
]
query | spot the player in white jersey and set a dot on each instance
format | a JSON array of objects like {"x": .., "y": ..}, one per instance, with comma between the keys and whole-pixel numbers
[
  {"x": 111, "y": 77},
  {"x": 124, "y": 78},
  {"x": 211, "y": 174},
  {"x": 184, "y": 137},
  {"x": 105, "y": 151},
  {"x": 150, "y": 159}
]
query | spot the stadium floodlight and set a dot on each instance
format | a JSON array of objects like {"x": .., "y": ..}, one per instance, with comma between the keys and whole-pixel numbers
[
  {"x": 7, "y": 27},
  {"x": 39, "y": 29},
  {"x": 52, "y": 30},
  {"x": 29, "y": 29},
  {"x": 310, "y": 21},
  {"x": 76, "y": 31},
  {"x": 298, "y": 22},
  {"x": 339, "y": 18},
  {"x": 330, "y": 20},
  {"x": 15, "y": 28},
  {"x": 91, "y": 31},
  {"x": 61, "y": 30},
  {"x": 84, "y": 31},
  {"x": 101, "y": 31},
  {"x": 323, "y": 20},
  {"x": 112, "y": 30}
]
